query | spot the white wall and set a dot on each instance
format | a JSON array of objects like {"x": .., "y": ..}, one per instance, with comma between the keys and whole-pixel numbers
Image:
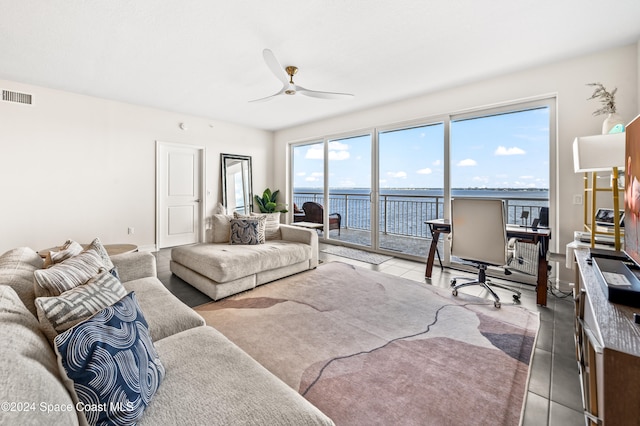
[
  {"x": 78, "y": 167},
  {"x": 566, "y": 79}
]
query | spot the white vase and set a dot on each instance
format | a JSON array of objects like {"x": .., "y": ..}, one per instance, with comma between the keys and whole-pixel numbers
[{"x": 610, "y": 122}]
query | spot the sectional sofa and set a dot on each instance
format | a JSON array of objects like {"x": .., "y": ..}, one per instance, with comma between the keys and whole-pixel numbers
[
  {"x": 220, "y": 268},
  {"x": 205, "y": 378}
]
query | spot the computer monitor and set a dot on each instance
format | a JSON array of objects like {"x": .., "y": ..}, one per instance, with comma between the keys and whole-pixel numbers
[
  {"x": 544, "y": 217},
  {"x": 604, "y": 217}
]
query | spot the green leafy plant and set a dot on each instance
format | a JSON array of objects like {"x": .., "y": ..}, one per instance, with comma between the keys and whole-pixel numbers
[
  {"x": 608, "y": 99},
  {"x": 268, "y": 203}
]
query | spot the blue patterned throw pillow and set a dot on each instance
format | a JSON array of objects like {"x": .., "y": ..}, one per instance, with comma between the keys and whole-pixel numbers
[
  {"x": 245, "y": 231},
  {"x": 113, "y": 364}
]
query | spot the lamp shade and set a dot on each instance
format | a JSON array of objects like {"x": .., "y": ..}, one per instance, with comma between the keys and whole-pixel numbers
[{"x": 598, "y": 153}]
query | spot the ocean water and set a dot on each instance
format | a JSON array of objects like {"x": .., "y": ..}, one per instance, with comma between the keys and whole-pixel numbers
[{"x": 403, "y": 211}]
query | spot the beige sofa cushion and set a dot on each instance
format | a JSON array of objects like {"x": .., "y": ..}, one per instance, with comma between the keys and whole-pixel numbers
[
  {"x": 16, "y": 270},
  {"x": 222, "y": 262},
  {"x": 164, "y": 312},
  {"x": 28, "y": 368},
  {"x": 222, "y": 385}
]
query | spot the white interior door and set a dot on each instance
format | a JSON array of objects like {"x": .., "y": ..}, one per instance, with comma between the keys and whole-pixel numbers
[{"x": 179, "y": 186}]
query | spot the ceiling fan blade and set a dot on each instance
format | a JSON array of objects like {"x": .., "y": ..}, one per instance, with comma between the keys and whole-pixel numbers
[
  {"x": 274, "y": 66},
  {"x": 268, "y": 98},
  {"x": 323, "y": 95}
]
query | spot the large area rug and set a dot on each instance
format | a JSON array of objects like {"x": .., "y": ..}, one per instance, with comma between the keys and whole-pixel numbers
[
  {"x": 361, "y": 255},
  {"x": 369, "y": 348}
]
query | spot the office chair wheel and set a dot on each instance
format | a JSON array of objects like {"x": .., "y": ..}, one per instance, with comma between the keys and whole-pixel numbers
[
  {"x": 453, "y": 282},
  {"x": 497, "y": 304},
  {"x": 454, "y": 292},
  {"x": 516, "y": 297}
]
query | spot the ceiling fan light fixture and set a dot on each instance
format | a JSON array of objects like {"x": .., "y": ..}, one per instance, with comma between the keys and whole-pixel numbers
[{"x": 289, "y": 87}]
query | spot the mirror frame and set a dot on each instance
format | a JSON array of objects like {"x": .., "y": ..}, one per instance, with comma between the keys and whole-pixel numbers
[{"x": 227, "y": 160}]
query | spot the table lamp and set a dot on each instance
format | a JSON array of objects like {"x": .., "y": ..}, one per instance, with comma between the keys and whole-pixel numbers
[{"x": 600, "y": 153}]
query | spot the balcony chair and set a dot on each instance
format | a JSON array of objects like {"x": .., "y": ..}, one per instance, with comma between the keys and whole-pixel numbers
[
  {"x": 478, "y": 235},
  {"x": 314, "y": 212},
  {"x": 298, "y": 215}
]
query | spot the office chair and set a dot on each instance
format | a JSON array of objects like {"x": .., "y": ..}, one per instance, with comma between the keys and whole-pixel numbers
[{"x": 478, "y": 235}]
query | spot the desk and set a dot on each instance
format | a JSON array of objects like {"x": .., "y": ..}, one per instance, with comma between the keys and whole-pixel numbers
[{"x": 443, "y": 226}]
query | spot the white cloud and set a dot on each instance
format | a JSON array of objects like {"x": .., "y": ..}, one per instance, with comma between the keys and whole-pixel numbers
[
  {"x": 501, "y": 150},
  {"x": 338, "y": 146},
  {"x": 425, "y": 171},
  {"x": 337, "y": 151},
  {"x": 467, "y": 162},
  {"x": 317, "y": 174},
  {"x": 301, "y": 174},
  {"x": 436, "y": 163},
  {"x": 402, "y": 175},
  {"x": 311, "y": 179},
  {"x": 526, "y": 177},
  {"x": 315, "y": 153}
]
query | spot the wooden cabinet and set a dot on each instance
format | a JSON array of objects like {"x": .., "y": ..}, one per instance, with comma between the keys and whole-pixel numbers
[{"x": 607, "y": 351}]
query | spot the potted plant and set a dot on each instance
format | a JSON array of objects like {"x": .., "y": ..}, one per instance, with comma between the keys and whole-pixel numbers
[
  {"x": 268, "y": 203},
  {"x": 608, "y": 100}
]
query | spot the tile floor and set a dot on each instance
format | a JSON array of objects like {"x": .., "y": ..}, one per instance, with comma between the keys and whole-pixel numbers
[{"x": 553, "y": 397}]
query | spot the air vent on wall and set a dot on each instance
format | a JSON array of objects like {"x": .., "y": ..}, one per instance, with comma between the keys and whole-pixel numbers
[{"x": 21, "y": 98}]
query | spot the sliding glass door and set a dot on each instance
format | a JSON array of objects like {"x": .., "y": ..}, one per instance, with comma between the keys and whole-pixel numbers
[
  {"x": 376, "y": 189},
  {"x": 349, "y": 180},
  {"x": 411, "y": 181}
]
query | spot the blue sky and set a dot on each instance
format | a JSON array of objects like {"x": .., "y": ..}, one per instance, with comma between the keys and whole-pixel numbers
[{"x": 501, "y": 151}]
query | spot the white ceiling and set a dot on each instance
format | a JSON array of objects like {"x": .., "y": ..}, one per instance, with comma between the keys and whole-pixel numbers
[{"x": 204, "y": 57}]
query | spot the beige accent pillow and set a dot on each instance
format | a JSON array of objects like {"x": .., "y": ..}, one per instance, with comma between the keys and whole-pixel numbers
[
  {"x": 272, "y": 225},
  {"x": 221, "y": 228},
  {"x": 262, "y": 222},
  {"x": 67, "y": 274},
  {"x": 69, "y": 249},
  {"x": 60, "y": 313}
]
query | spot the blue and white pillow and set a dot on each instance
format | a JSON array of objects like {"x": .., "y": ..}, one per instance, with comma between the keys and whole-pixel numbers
[
  {"x": 245, "y": 231},
  {"x": 112, "y": 362}
]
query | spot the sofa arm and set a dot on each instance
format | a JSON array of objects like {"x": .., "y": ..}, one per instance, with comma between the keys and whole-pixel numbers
[
  {"x": 132, "y": 266},
  {"x": 302, "y": 235}
]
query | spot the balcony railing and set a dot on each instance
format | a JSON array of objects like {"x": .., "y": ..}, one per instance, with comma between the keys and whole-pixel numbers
[{"x": 405, "y": 214}]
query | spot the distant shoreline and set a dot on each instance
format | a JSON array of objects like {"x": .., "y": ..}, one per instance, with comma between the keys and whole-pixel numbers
[{"x": 315, "y": 189}]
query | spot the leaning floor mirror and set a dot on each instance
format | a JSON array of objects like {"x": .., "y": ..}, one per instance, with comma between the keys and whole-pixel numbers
[{"x": 237, "y": 193}]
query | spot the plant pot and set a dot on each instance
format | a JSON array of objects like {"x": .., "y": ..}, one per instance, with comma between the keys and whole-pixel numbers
[{"x": 610, "y": 122}]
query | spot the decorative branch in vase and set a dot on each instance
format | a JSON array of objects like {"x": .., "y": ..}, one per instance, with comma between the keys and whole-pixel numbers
[{"x": 613, "y": 123}]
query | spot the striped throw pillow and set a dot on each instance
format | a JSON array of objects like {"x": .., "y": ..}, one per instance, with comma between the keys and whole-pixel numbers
[
  {"x": 68, "y": 274},
  {"x": 69, "y": 249},
  {"x": 96, "y": 245},
  {"x": 60, "y": 313},
  {"x": 272, "y": 225}
]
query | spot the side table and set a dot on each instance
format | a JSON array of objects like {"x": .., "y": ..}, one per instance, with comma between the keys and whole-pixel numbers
[{"x": 112, "y": 249}]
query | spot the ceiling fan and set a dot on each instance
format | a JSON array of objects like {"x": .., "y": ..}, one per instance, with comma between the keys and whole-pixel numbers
[{"x": 285, "y": 75}]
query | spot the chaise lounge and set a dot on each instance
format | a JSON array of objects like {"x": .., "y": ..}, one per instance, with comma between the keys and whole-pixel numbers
[{"x": 220, "y": 268}]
